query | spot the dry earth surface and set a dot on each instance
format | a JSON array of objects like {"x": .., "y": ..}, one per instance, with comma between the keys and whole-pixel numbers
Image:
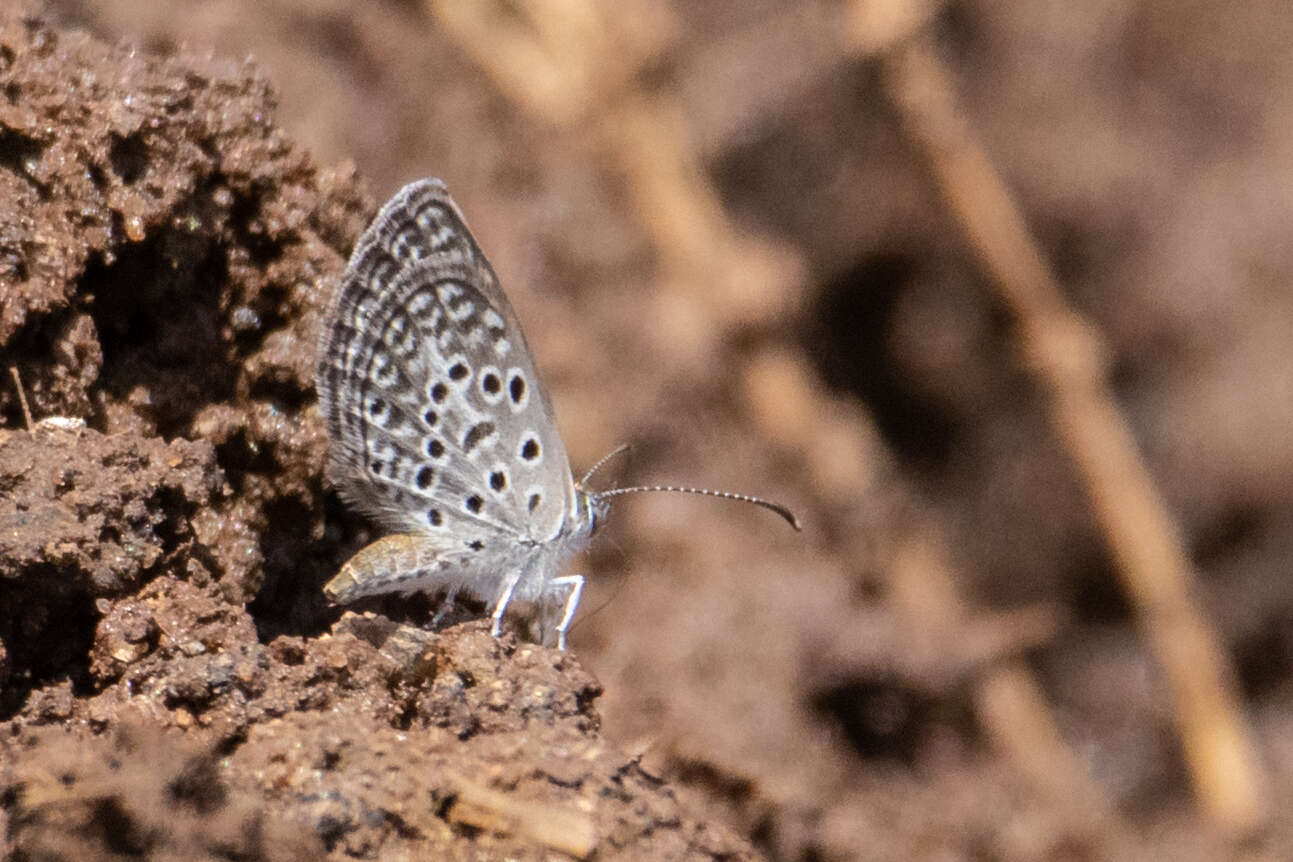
[{"x": 173, "y": 684}]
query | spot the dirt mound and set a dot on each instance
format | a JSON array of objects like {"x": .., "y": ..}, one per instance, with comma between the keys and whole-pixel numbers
[{"x": 166, "y": 255}]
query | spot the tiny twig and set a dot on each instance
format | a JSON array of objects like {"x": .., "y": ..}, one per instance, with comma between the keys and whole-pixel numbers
[
  {"x": 22, "y": 397},
  {"x": 566, "y": 830}
]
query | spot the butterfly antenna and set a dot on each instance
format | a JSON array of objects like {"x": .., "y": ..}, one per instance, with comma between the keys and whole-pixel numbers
[
  {"x": 619, "y": 450},
  {"x": 707, "y": 492}
]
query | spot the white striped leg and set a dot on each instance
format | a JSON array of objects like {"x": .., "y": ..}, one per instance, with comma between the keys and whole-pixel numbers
[
  {"x": 501, "y": 605},
  {"x": 576, "y": 585}
]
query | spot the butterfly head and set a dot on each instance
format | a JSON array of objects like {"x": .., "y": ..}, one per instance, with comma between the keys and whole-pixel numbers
[{"x": 591, "y": 511}]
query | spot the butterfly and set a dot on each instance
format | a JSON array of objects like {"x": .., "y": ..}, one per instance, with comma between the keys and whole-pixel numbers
[{"x": 440, "y": 429}]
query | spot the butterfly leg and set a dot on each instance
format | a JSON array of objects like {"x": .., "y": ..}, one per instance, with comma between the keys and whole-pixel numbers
[
  {"x": 576, "y": 585},
  {"x": 445, "y": 606},
  {"x": 503, "y": 598}
]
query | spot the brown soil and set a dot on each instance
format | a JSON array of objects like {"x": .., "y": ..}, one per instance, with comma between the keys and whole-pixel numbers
[{"x": 173, "y": 684}]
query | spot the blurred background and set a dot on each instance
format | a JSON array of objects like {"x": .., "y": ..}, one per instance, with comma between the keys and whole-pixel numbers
[{"x": 995, "y": 295}]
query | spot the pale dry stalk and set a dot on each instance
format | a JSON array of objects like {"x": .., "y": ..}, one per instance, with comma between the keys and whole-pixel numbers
[{"x": 1065, "y": 356}]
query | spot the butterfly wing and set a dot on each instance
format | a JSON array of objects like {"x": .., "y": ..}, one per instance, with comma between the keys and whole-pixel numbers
[{"x": 437, "y": 418}]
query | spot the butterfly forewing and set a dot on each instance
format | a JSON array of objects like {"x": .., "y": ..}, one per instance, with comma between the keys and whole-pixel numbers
[{"x": 438, "y": 420}]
